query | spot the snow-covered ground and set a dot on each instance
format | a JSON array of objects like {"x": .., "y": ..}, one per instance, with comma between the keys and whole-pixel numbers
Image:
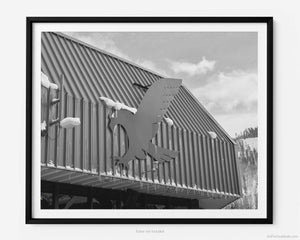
[
  {"x": 247, "y": 157},
  {"x": 251, "y": 143}
]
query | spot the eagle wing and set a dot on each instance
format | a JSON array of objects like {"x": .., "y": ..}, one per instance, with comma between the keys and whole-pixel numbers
[{"x": 157, "y": 99}]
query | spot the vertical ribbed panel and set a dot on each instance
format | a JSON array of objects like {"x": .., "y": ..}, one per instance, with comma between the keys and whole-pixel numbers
[{"x": 202, "y": 162}]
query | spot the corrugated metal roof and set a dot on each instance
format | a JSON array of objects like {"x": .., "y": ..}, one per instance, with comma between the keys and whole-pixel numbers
[{"x": 91, "y": 73}]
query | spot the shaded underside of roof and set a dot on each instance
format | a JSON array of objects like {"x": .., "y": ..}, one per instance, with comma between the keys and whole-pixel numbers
[{"x": 91, "y": 73}]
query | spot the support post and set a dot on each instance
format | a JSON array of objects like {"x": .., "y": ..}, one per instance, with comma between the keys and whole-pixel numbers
[
  {"x": 55, "y": 196},
  {"x": 90, "y": 198}
]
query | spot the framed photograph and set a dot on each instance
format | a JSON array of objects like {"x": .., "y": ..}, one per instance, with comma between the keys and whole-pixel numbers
[{"x": 149, "y": 120}]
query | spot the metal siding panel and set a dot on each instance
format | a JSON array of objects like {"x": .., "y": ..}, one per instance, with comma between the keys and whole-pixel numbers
[
  {"x": 170, "y": 140},
  {"x": 176, "y": 161},
  {"x": 56, "y": 127},
  {"x": 49, "y": 62},
  {"x": 85, "y": 135},
  {"x": 149, "y": 169},
  {"x": 189, "y": 113},
  {"x": 191, "y": 159},
  {"x": 200, "y": 142},
  {"x": 64, "y": 130},
  {"x": 97, "y": 133},
  {"x": 93, "y": 135},
  {"x": 115, "y": 81},
  {"x": 220, "y": 176},
  {"x": 109, "y": 144},
  {"x": 159, "y": 143},
  {"x": 123, "y": 140},
  {"x": 226, "y": 170},
  {"x": 61, "y": 138},
  {"x": 73, "y": 132},
  {"x": 77, "y": 132},
  {"x": 196, "y": 159},
  {"x": 70, "y": 69},
  {"x": 103, "y": 153},
  {"x": 90, "y": 72},
  {"x": 115, "y": 148},
  {"x": 223, "y": 166},
  {"x": 155, "y": 171},
  {"x": 179, "y": 121},
  {"x": 145, "y": 169},
  {"x": 217, "y": 159},
  {"x": 137, "y": 93},
  {"x": 135, "y": 168},
  {"x": 220, "y": 167},
  {"x": 208, "y": 164},
  {"x": 82, "y": 73},
  {"x": 47, "y": 65},
  {"x": 60, "y": 60},
  {"x": 235, "y": 170},
  {"x": 69, "y": 133},
  {"x": 230, "y": 167},
  {"x": 181, "y": 156},
  {"x": 93, "y": 68},
  {"x": 134, "y": 73},
  {"x": 101, "y": 79},
  {"x": 127, "y": 93},
  {"x": 107, "y": 77},
  {"x": 44, "y": 107},
  {"x": 140, "y": 75},
  {"x": 188, "y": 116},
  {"x": 164, "y": 145},
  {"x": 51, "y": 133},
  {"x": 237, "y": 162},
  {"x": 185, "y": 158},
  {"x": 62, "y": 49},
  {"x": 215, "y": 165},
  {"x": 126, "y": 149},
  {"x": 131, "y": 169}
]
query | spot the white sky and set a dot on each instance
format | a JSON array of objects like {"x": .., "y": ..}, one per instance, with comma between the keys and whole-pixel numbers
[{"x": 220, "y": 68}]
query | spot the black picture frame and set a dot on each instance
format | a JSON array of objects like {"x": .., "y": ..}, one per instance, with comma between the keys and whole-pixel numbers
[{"x": 30, "y": 21}]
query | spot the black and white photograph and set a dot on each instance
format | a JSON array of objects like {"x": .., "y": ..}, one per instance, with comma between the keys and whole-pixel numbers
[{"x": 151, "y": 121}]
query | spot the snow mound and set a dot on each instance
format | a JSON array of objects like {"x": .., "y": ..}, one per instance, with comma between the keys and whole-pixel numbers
[
  {"x": 46, "y": 83},
  {"x": 117, "y": 105},
  {"x": 69, "y": 122},
  {"x": 169, "y": 121},
  {"x": 212, "y": 135}
]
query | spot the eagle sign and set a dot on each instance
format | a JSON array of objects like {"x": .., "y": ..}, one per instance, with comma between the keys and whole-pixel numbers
[{"x": 142, "y": 127}]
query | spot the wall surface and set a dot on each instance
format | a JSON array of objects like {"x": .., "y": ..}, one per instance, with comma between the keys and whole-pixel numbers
[{"x": 286, "y": 115}]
